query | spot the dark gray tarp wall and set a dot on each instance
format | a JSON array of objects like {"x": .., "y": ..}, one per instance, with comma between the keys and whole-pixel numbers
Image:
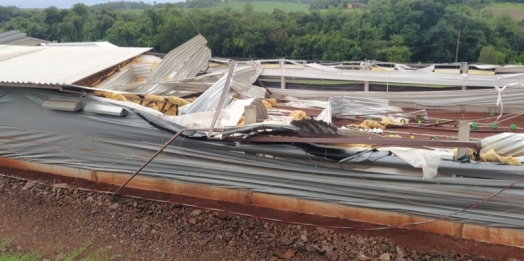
[{"x": 122, "y": 144}]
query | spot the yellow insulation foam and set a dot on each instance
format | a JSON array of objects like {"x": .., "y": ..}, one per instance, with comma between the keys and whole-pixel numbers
[
  {"x": 298, "y": 115},
  {"x": 267, "y": 104},
  {"x": 492, "y": 156},
  {"x": 167, "y": 105}
]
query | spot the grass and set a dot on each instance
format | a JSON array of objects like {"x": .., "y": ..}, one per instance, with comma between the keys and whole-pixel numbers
[
  {"x": 261, "y": 6},
  {"x": 81, "y": 254},
  {"x": 267, "y": 7},
  {"x": 515, "y": 10}
]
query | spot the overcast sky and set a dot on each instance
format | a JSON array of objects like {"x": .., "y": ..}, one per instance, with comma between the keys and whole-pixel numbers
[{"x": 65, "y": 3}]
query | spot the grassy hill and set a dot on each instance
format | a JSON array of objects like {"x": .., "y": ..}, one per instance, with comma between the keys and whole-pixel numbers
[
  {"x": 258, "y": 6},
  {"x": 515, "y": 10},
  {"x": 261, "y": 6}
]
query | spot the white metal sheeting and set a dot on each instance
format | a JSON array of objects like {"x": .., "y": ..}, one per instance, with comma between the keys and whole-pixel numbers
[
  {"x": 316, "y": 71},
  {"x": 513, "y": 96},
  {"x": 65, "y": 65},
  {"x": 127, "y": 76},
  {"x": 182, "y": 62},
  {"x": 507, "y": 144}
]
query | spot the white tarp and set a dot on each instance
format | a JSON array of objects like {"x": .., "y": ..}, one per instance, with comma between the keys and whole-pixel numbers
[
  {"x": 228, "y": 117},
  {"x": 426, "y": 159}
]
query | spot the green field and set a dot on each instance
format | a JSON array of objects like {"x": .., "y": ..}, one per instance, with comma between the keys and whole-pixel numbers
[
  {"x": 261, "y": 6},
  {"x": 258, "y": 6},
  {"x": 515, "y": 10}
]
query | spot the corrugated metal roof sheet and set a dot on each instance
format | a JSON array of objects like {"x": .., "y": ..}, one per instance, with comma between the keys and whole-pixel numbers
[
  {"x": 80, "y": 44},
  {"x": 64, "y": 65},
  {"x": 183, "y": 62},
  {"x": 15, "y": 37}
]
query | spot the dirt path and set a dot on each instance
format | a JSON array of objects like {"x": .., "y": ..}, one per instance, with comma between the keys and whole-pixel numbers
[{"x": 54, "y": 221}]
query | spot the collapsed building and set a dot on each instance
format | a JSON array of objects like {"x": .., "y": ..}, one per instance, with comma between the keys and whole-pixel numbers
[{"x": 444, "y": 161}]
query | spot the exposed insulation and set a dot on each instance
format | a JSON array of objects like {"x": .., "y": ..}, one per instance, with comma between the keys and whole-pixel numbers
[
  {"x": 114, "y": 70},
  {"x": 387, "y": 121},
  {"x": 393, "y": 136},
  {"x": 111, "y": 95},
  {"x": 178, "y": 101},
  {"x": 368, "y": 124},
  {"x": 267, "y": 104},
  {"x": 492, "y": 156},
  {"x": 273, "y": 101},
  {"x": 168, "y": 106},
  {"x": 154, "y": 65},
  {"x": 242, "y": 121},
  {"x": 173, "y": 111},
  {"x": 155, "y": 98},
  {"x": 298, "y": 115},
  {"x": 133, "y": 98}
]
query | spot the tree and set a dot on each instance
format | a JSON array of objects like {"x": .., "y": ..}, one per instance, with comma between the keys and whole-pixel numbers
[
  {"x": 248, "y": 9},
  {"x": 73, "y": 25},
  {"x": 397, "y": 52},
  {"x": 490, "y": 55}
]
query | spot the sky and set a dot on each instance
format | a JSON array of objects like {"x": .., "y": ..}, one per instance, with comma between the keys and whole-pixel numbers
[{"x": 65, "y": 3}]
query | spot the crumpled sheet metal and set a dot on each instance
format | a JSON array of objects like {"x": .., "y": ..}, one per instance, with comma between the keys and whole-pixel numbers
[
  {"x": 348, "y": 105},
  {"x": 177, "y": 73},
  {"x": 506, "y": 144},
  {"x": 127, "y": 76},
  {"x": 239, "y": 83},
  {"x": 488, "y": 97},
  {"x": 186, "y": 60},
  {"x": 182, "y": 87},
  {"x": 208, "y": 101},
  {"x": 118, "y": 144},
  {"x": 317, "y": 71}
]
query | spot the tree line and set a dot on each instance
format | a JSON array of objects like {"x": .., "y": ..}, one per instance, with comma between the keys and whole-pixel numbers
[{"x": 387, "y": 30}]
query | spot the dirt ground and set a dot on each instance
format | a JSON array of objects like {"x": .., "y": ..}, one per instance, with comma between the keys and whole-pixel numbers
[{"x": 52, "y": 220}]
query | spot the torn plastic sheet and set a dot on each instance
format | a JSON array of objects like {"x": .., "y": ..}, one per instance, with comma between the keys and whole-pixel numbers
[
  {"x": 427, "y": 160},
  {"x": 226, "y": 117}
]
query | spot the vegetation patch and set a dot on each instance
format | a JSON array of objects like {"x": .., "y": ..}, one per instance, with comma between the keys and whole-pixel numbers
[
  {"x": 403, "y": 31},
  {"x": 82, "y": 253},
  {"x": 515, "y": 10},
  {"x": 260, "y": 6}
]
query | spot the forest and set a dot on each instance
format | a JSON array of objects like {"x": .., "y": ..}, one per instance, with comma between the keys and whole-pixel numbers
[{"x": 415, "y": 31}]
